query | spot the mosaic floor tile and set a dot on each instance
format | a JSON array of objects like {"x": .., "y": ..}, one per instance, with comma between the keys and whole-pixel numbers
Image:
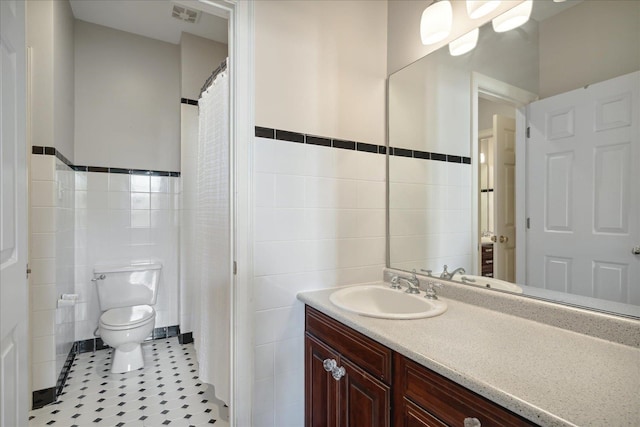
[{"x": 166, "y": 392}]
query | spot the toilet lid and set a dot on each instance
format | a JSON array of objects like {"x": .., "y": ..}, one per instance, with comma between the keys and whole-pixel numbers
[{"x": 127, "y": 316}]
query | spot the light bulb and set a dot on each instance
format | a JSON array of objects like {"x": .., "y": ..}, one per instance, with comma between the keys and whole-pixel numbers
[
  {"x": 464, "y": 44},
  {"x": 435, "y": 24},
  {"x": 479, "y": 8},
  {"x": 513, "y": 18}
]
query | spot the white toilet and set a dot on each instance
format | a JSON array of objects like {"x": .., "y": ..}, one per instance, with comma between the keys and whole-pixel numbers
[{"x": 127, "y": 294}]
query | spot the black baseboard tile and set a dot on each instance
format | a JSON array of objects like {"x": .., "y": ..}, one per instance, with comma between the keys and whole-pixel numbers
[
  {"x": 66, "y": 368},
  {"x": 185, "y": 338},
  {"x": 265, "y": 132},
  {"x": 43, "y": 397}
]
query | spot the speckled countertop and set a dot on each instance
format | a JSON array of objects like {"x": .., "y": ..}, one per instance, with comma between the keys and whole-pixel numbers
[{"x": 546, "y": 374}]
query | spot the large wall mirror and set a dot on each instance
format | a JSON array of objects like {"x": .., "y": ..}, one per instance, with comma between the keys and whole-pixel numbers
[{"x": 517, "y": 165}]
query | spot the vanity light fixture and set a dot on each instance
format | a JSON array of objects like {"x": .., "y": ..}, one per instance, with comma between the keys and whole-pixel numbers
[
  {"x": 436, "y": 21},
  {"x": 513, "y": 18},
  {"x": 464, "y": 44},
  {"x": 479, "y": 8}
]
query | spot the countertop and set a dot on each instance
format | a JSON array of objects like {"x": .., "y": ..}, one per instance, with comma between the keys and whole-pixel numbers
[{"x": 549, "y": 375}]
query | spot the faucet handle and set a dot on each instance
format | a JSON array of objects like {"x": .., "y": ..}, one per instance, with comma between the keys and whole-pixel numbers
[
  {"x": 430, "y": 292},
  {"x": 395, "y": 282},
  {"x": 427, "y": 271}
]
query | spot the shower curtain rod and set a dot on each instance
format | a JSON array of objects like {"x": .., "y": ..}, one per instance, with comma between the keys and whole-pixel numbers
[{"x": 207, "y": 83}]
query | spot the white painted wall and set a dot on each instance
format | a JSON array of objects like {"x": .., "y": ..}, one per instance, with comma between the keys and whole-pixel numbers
[
  {"x": 127, "y": 97},
  {"x": 198, "y": 58},
  {"x": 319, "y": 212},
  {"x": 320, "y": 68},
  {"x": 591, "y": 42},
  {"x": 50, "y": 34}
]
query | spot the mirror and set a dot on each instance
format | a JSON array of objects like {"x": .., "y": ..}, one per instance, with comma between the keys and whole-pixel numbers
[{"x": 518, "y": 160}]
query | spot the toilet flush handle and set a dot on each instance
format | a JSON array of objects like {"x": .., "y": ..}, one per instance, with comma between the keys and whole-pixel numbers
[{"x": 100, "y": 277}]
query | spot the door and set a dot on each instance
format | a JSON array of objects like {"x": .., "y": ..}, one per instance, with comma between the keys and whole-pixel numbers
[
  {"x": 504, "y": 180},
  {"x": 364, "y": 400},
  {"x": 583, "y": 175},
  {"x": 321, "y": 394},
  {"x": 13, "y": 217}
]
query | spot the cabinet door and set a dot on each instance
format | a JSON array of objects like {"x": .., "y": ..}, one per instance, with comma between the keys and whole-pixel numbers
[
  {"x": 321, "y": 390},
  {"x": 364, "y": 400}
]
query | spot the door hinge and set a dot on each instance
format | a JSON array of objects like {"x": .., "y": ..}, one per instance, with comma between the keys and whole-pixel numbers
[
  {"x": 528, "y": 223},
  {"x": 528, "y": 132},
  {"x": 235, "y": 267},
  {"x": 28, "y": 271}
]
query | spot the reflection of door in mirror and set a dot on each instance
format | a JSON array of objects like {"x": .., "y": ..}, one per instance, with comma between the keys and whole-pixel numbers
[
  {"x": 497, "y": 251},
  {"x": 582, "y": 161}
]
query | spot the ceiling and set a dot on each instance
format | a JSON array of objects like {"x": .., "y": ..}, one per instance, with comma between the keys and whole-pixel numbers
[{"x": 149, "y": 18}]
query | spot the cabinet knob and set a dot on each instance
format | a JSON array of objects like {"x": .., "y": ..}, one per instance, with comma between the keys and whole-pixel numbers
[
  {"x": 472, "y": 422},
  {"x": 330, "y": 365},
  {"x": 635, "y": 250}
]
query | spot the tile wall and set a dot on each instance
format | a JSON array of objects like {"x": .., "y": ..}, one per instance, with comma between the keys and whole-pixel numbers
[
  {"x": 430, "y": 214},
  {"x": 51, "y": 262},
  {"x": 319, "y": 222},
  {"x": 123, "y": 218}
]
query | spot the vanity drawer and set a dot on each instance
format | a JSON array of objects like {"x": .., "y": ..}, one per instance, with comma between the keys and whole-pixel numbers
[
  {"x": 370, "y": 355},
  {"x": 446, "y": 400}
]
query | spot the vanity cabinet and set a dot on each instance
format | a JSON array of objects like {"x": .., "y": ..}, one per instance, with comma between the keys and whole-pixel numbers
[
  {"x": 347, "y": 376},
  {"x": 487, "y": 259},
  {"x": 352, "y": 380}
]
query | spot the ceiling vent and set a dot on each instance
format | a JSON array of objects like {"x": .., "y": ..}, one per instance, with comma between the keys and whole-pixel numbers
[{"x": 185, "y": 14}]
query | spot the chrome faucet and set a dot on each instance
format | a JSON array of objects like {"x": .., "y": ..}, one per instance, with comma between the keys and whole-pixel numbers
[
  {"x": 467, "y": 280},
  {"x": 431, "y": 292},
  {"x": 413, "y": 283},
  {"x": 449, "y": 275}
]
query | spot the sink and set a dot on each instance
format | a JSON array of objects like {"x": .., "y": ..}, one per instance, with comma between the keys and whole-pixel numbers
[{"x": 383, "y": 302}]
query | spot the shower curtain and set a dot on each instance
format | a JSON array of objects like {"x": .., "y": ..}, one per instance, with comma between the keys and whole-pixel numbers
[{"x": 213, "y": 273}]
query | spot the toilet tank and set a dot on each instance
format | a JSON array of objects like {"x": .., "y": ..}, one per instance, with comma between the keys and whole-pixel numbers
[{"x": 127, "y": 285}]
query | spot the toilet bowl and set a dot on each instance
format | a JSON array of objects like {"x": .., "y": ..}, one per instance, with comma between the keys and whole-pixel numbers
[
  {"x": 124, "y": 329},
  {"x": 127, "y": 294}
]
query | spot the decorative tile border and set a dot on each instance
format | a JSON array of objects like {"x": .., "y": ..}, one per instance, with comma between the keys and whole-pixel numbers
[
  {"x": 52, "y": 151},
  {"x": 303, "y": 138},
  {"x": 188, "y": 101}
]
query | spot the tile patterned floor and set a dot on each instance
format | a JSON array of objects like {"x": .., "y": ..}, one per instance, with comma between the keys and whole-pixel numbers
[{"x": 166, "y": 392}]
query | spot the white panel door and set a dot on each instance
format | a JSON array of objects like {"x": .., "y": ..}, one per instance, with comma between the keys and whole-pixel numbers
[
  {"x": 583, "y": 160},
  {"x": 13, "y": 217},
  {"x": 504, "y": 254}
]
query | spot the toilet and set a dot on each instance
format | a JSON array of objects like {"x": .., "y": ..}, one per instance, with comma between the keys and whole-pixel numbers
[{"x": 127, "y": 294}]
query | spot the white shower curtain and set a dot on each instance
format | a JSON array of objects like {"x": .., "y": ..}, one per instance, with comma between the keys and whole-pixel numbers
[{"x": 213, "y": 273}]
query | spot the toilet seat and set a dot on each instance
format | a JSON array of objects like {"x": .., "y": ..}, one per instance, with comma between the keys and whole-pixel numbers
[{"x": 127, "y": 317}]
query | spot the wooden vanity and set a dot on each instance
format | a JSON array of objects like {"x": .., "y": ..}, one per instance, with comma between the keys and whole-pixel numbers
[{"x": 353, "y": 380}]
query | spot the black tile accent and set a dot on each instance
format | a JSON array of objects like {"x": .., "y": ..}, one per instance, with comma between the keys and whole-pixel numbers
[
  {"x": 185, "y": 338},
  {"x": 402, "y": 152},
  {"x": 421, "y": 154},
  {"x": 439, "y": 157},
  {"x": 265, "y": 132},
  {"x": 369, "y": 148},
  {"x": 66, "y": 368},
  {"x": 36, "y": 149},
  {"x": 119, "y": 170},
  {"x": 487, "y": 190},
  {"x": 139, "y": 172},
  {"x": 454, "y": 159},
  {"x": 285, "y": 135},
  {"x": 188, "y": 101},
  {"x": 346, "y": 145},
  {"x": 44, "y": 397},
  {"x": 50, "y": 151},
  {"x": 382, "y": 149},
  {"x": 100, "y": 345},
  {"x": 79, "y": 168},
  {"x": 160, "y": 173},
  {"x": 63, "y": 159},
  {"x": 97, "y": 169},
  {"x": 466, "y": 160},
  {"x": 317, "y": 140},
  {"x": 174, "y": 173}
]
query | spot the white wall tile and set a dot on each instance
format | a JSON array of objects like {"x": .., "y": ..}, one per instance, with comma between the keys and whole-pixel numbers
[
  {"x": 159, "y": 184},
  {"x": 43, "y": 193},
  {"x": 119, "y": 199},
  {"x": 140, "y": 183},
  {"x": 43, "y": 220},
  {"x": 289, "y": 191},
  {"x": 43, "y": 271},
  {"x": 43, "y": 323},
  {"x": 43, "y": 245},
  {"x": 97, "y": 181},
  {"x": 264, "y": 361},
  {"x": 43, "y": 349},
  {"x": 265, "y": 190},
  {"x": 119, "y": 182},
  {"x": 43, "y": 375},
  {"x": 371, "y": 195},
  {"x": 140, "y": 201},
  {"x": 43, "y": 167}
]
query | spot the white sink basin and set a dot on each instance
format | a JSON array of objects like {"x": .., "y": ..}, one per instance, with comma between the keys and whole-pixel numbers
[{"x": 386, "y": 303}]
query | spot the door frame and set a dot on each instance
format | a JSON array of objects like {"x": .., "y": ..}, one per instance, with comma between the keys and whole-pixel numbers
[
  {"x": 241, "y": 125},
  {"x": 519, "y": 99}
]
